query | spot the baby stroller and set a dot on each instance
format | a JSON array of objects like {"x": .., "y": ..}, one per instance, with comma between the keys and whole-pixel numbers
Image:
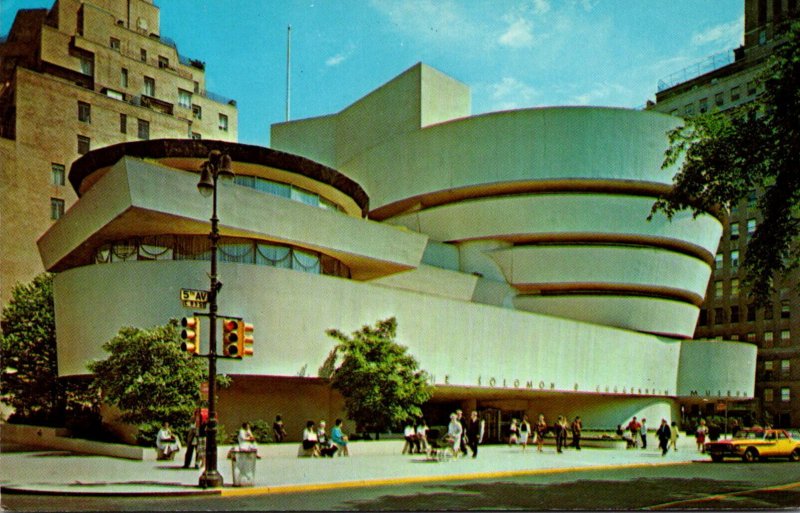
[{"x": 439, "y": 446}]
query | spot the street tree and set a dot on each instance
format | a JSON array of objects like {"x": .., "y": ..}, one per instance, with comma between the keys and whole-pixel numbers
[
  {"x": 30, "y": 369},
  {"x": 725, "y": 156},
  {"x": 150, "y": 379},
  {"x": 381, "y": 383}
]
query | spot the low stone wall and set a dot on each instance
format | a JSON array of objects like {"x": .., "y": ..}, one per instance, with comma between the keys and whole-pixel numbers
[{"x": 56, "y": 439}]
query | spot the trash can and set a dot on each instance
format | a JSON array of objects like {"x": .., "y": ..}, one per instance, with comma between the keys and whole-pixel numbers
[{"x": 243, "y": 463}]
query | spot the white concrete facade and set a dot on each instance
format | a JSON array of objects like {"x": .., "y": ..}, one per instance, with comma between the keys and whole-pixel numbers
[{"x": 513, "y": 249}]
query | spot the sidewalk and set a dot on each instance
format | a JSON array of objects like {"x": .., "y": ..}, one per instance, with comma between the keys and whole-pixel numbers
[{"x": 280, "y": 471}]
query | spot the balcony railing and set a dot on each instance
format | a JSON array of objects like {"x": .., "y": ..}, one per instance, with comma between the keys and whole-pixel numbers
[{"x": 707, "y": 65}]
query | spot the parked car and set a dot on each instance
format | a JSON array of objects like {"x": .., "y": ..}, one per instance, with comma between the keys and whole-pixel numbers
[{"x": 753, "y": 444}]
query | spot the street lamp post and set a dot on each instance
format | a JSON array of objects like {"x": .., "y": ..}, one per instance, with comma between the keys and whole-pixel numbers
[{"x": 218, "y": 166}]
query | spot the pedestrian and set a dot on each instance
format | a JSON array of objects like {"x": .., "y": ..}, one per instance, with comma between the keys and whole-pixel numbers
[
  {"x": 643, "y": 432},
  {"x": 192, "y": 437},
  {"x": 475, "y": 428},
  {"x": 454, "y": 434},
  {"x": 577, "y": 428},
  {"x": 664, "y": 434},
  {"x": 541, "y": 430},
  {"x": 734, "y": 427},
  {"x": 633, "y": 427},
  {"x": 422, "y": 435},
  {"x": 310, "y": 445},
  {"x": 513, "y": 433},
  {"x": 463, "y": 421},
  {"x": 560, "y": 430},
  {"x": 166, "y": 442},
  {"x": 278, "y": 429},
  {"x": 524, "y": 432},
  {"x": 245, "y": 438},
  {"x": 339, "y": 438},
  {"x": 673, "y": 437},
  {"x": 700, "y": 436},
  {"x": 326, "y": 448},
  {"x": 410, "y": 434}
]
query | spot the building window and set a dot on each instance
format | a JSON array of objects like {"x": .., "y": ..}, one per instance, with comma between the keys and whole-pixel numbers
[
  {"x": 785, "y": 395},
  {"x": 56, "y": 208},
  {"x": 84, "y": 144},
  {"x": 751, "y": 88},
  {"x": 196, "y": 86},
  {"x": 751, "y": 313},
  {"x": 59, "y": 174},
  {"x": 768, "y": 313},
  {"x": 734, "y": 287},
  {"x": 144, "y": 129},
  {"x": 114, "y": 43},
  {"x": 762, "y": 37},
  {"x": 768, "y": 395},
  {"x": 163, "y": 62},
  {"x": 703, "y": 105},
  {"x": 149, "y": 86},
  {"x": 123, "y": 77},
  {"x": 123, "y": 123},
  {"x": 143, "y": 55},
  {"x": 718, "y": 261},
  {"x": 751, "y": 226},
  {"x": 734, "y": 314},
  {"x": 785, "y": 311},
  {"x": 703, "y": 320},
  {"x": 751, "y": 337},
  {"x": 84, "y": 112},
  {"x": 717, "y": 289},
  {"x": 768, "y": 337},
  {"x": 719, "y": 99},
  {"x": 719, "y": 316},
  {"x": 735, "y": 259},
  {"x": 184, "y": 98},
  {"x": 196, "y": 136},
  {"x": 689, "y": 109},
  {"x": 223, "y": 122},
  {"x": 785, "y": 335},
  {"x": 735, "y": 93},
  {"x": 768, "y": 365},
  {"x": 785, "y": 366},
  {"x": 197, "y": 112},
  {"x": 86, "y": 66},
  {"x": 735, "y": 337},
  {"x": 734, "y": 231}
]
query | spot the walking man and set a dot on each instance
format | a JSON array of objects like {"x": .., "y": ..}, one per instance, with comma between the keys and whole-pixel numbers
[
  {"x": 643, "y": 431},
  {"x": 633, "y": 427},
  {"x": 664, "y": 434},
  {"x": 474, "y": 433},
  {"x": 577, "y": 427}
]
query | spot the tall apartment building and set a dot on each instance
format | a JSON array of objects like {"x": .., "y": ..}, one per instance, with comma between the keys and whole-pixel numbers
[
  {"x": 727, "y": 313},
  {"x": 79, "y": 76}
]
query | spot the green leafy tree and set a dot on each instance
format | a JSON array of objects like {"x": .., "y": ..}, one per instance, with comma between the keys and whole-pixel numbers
[
  {"x": 757, "y": 147},
  {"x": 150, "y": 379},
  {"x": 30, "y": 369},
  {"x": 381, "y": 384}
]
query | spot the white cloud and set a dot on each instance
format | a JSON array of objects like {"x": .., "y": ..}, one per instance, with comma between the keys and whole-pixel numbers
[
  {"x": 725, "y": 35},
  {"x": 519, "y": 33},
  {"x": 335, "y": 60},
  {"x": 602, "y": 94},
  {"x": 511, "y": 93},
  {"x": 424, "y": 19},
  {"x": 541, "y": 6}
]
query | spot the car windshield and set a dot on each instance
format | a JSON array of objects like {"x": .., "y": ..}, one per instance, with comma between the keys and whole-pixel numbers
[{"x": 749, "y": 435}]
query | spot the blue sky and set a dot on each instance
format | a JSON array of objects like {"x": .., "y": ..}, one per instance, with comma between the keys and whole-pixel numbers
[{"x": 512, "y": 53}]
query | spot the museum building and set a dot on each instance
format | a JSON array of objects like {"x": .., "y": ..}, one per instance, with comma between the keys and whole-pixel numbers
[{"x": 513, "y": 248}]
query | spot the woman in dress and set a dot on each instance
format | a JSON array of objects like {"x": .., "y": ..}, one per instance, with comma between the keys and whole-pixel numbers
[
  {"x": 541, "y": 430},
  {"x": 700, "y": 436},
  {"x": 524, "y": 432},
  {"x": 454, "y": 433}
]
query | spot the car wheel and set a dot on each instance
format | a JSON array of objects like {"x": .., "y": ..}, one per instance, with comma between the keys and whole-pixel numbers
[
  {"x": 795, "y": 455},
  {"x": 716, "y": 457},
  {"x": 750, "y": 455}
]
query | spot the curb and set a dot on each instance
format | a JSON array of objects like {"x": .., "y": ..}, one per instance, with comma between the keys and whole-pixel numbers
[{"x": 179, "y": 489}]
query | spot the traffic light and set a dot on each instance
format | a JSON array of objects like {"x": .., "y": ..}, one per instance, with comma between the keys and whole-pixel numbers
[
  {"x": 245, "y": 339},
  {"x": 230, "y": 338},
  {"x": 190, "y": 335}
]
